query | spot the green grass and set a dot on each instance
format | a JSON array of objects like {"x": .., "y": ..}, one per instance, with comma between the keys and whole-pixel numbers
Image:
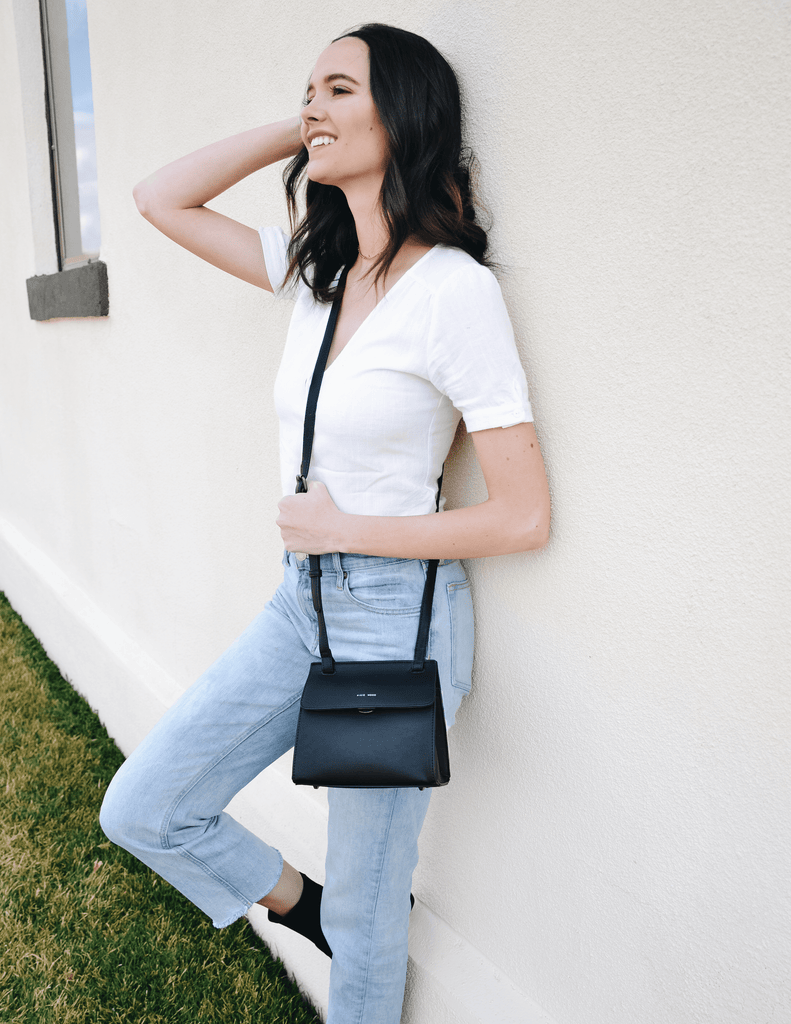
[{"x": 88, "y": 934}]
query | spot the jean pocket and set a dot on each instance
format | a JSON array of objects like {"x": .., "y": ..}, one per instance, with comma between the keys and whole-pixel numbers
[
  {"x": 462, "y": 634},
  {"x": 397, "y": 592}
]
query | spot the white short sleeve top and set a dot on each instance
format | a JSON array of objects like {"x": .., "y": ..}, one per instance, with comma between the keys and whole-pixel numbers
[{"x": 437, "y": 347}]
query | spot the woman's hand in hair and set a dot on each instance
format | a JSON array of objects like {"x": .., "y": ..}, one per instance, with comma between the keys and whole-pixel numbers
[{"x": 311, "y": 522}]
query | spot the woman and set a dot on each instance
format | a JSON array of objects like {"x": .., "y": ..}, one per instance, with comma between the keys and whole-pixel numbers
[{"x": 422, "y": 338}]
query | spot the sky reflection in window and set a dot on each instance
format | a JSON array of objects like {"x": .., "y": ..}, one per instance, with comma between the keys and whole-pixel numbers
[{"x": 84, "y": 135}]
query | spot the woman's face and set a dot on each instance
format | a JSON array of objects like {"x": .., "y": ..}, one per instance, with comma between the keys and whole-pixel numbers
[{"x": 346, "y": 142}]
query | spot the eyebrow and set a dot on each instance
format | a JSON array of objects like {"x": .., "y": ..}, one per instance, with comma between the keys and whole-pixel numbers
[{"x": 334, "y": 77}]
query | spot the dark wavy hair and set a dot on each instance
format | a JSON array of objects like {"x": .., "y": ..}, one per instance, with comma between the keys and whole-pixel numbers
[{"x": 427, "y": 189}]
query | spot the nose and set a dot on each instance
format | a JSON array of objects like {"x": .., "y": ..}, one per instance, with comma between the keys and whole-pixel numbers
[{"x": 312, "y": 111}]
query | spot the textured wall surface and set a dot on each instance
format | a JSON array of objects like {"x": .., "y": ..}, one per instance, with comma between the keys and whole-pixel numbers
[{"x": 615, "y": 840}]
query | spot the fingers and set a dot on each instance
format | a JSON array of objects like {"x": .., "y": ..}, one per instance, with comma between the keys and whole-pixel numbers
[{"x": 305, "y": 520}]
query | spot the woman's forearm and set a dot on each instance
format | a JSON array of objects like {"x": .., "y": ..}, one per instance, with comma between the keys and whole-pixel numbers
[
  {"x": 514, "y": 517},
  {"x": 198, "y": 177},
  {"x": 475, "y": 532}
]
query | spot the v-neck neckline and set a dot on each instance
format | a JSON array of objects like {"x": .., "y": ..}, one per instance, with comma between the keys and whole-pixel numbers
[{"x": 381, "y": 302}]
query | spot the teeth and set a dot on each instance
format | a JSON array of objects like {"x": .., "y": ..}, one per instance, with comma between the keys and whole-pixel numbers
[{"x": 321, "y": 140}]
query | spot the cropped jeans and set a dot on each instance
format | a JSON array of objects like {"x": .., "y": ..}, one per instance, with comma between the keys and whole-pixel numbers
[{"x": 166, "y": 804}]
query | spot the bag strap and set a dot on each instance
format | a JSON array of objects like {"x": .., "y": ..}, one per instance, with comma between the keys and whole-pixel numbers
[
  {"x": 327, "y": 661},
  {"x": 315, "y": 385}
]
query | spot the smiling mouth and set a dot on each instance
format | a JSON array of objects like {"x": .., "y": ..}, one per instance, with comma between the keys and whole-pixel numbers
[{"x": 321, "y": 140}]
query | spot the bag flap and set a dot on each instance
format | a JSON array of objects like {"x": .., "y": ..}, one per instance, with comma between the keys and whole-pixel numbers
[{"x": 370, "y": 684}]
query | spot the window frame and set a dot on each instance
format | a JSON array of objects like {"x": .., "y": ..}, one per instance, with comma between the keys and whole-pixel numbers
[{"x": 78, "y": 287}]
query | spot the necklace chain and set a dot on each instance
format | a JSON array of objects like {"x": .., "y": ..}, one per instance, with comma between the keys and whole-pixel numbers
[{"x": 369, "y": 258}]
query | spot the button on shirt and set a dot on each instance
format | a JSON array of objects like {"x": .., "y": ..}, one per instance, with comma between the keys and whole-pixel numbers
[{"x": 437, "y": 347}]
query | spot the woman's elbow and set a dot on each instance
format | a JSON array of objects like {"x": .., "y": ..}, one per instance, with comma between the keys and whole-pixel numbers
[
  {"x": 146, "y": 200},
  {"x": 141, "y": 197},
  {"x": 535, "y": 537},
  {"x": 534, "y": 534}
]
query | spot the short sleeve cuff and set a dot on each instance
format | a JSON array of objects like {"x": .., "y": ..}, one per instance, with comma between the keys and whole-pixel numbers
[
  {"x": 486, "y": 419},
  {"x": 274, "y": 242}
]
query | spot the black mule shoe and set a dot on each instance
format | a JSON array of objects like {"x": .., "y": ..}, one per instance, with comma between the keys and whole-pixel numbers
[{"x": 305, "y": 916}]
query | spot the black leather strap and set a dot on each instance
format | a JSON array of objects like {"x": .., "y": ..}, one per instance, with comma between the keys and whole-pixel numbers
[
  {"x": 315, "y": 385},
  {"x": 327, "y": 661},
  {"x": 425, "y": 616},
  {"x": 421, "y": 643}
]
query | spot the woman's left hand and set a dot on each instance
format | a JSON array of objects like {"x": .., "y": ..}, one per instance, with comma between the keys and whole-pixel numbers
[{"x": 310, "y": 522}]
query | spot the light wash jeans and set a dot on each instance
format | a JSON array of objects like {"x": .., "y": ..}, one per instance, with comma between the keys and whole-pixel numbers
[{"x": 166, "y": 803}]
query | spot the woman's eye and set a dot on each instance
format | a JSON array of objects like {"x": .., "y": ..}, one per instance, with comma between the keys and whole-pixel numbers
[{"x": 337, "y": 90}]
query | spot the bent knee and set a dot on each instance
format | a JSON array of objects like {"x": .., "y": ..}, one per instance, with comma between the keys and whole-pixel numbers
[
  {"x": 111, "y": 821},
  {"x": 127, "y": 816}
]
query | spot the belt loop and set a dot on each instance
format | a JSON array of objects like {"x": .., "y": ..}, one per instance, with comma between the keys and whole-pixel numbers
[{"x": 338, "y": 567}]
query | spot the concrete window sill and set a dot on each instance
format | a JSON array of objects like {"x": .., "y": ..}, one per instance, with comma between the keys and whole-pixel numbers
[{"x": 79, "y": 292}]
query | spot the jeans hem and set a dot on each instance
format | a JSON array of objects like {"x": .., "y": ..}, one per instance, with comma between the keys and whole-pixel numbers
[
  {"x": 248, "y": 906},
  {"x": 234, "y": 916}
]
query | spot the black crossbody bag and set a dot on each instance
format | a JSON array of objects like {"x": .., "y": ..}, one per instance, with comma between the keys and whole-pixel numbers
[{"x": 367, "y": 724}]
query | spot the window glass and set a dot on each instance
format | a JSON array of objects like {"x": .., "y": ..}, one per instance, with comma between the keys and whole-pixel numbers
[{"x": 84, "y": 135}]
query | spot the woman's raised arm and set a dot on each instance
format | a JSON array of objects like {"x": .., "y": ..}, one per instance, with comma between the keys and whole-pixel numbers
[{"x": 173, "y": 198}]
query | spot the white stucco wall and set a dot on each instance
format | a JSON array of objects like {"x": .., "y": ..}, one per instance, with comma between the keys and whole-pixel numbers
[{"x": 614, "y": 845}]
